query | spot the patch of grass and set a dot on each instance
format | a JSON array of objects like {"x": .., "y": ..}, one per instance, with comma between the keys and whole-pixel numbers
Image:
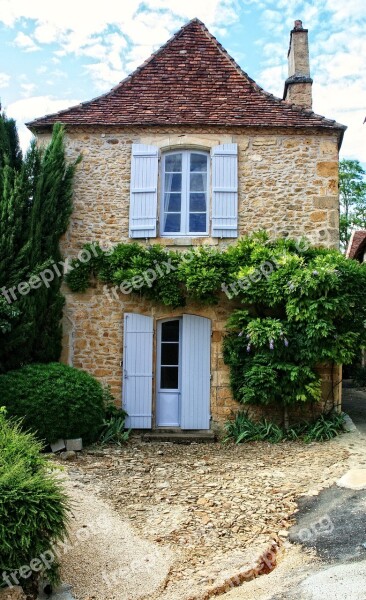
[{"x": 243, "y": 429}]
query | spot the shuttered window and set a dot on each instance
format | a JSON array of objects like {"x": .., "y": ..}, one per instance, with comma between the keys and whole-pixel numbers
[
  {"x": 143, "y": 191},
  {"x": 189, "y": 195},
  {"x": 225, "y": 191}
]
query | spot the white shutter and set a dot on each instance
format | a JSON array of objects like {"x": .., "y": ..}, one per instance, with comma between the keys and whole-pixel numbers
[
  {"x": 144, "y": 191},
  {"x": 196, "y": 345},
  {"x": 137, "y": 370},
  {"x": 225, "y": 190}
]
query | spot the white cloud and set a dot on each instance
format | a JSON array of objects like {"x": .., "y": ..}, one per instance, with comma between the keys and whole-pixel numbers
[
  {"x": 118, "y": 35},
  {"x": 46, "y": 33},
  {"x": 29, "y": 108},
  {"x": 28, "y": 89},
  {"x": 344, "y": 12},
  {"x": 4, "y": 80},
  {"x": 25, "y": 42},
  {"x": 272, "y": 79},
  {"x": 104, "y": 76}
]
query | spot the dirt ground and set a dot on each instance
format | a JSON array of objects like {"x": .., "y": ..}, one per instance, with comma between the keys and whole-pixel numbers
[{"x": 198, "y": 512}]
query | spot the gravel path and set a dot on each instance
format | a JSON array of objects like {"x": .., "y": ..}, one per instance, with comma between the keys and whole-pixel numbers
[
  {"x": 104, "y": 558},
  {"x": 198, "y": 513}
]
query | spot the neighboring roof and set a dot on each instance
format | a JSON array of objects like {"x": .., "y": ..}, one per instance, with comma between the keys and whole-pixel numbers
[
  {"x": 191, "y": 80},
  {"x": 357, "y": 245}
]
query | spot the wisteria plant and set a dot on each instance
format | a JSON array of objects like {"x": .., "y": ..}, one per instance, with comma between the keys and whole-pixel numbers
[{"x": 309, "y": 310}]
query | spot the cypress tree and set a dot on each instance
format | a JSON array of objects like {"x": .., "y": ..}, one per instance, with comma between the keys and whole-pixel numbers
[{"x": 35, "y": 207}]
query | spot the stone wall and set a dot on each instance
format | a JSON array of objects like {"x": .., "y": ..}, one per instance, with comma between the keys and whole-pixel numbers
[
  {"x": 288, "y": 181},
  {"x": 93, "y": 339}
]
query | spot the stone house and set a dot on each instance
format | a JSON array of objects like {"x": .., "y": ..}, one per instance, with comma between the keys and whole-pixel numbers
[{"x": 188, "y": 150}]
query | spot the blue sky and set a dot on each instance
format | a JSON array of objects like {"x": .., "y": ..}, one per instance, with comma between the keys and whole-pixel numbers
[{"x": 56, "y": 54}]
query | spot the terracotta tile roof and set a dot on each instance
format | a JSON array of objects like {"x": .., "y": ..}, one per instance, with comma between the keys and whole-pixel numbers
[
  {"x": 191, "y": 80},
  {"x": 357, "y": 245}
]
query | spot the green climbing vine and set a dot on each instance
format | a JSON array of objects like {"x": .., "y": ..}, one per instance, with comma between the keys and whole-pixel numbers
[{"x": 301, "y": 305}]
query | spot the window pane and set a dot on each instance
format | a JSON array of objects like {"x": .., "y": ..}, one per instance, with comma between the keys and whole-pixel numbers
[
  {"x": 198, "y": 162},
  {"x": 173, "y": 163},
  {"x": 169, "y": 353},
  {"x": 170, "y": 331},
  {"x": 197, "y": 202},
  {"x": 172, "y": 203},
  {"x": 173, "y": 182},
  {"x": 169, "y": 378},
  {"x": 198, "y": 182},
  {"x": 172, "y": 223},
  {"x": 197, "y": 222}
]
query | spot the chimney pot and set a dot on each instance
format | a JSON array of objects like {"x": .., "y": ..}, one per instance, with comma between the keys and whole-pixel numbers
[{"x": 298, "y": 24}]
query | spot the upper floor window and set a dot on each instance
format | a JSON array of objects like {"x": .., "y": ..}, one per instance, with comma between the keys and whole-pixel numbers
[
  {"x": 185, "y": 199},
  {"x": 185, "y": 184}
]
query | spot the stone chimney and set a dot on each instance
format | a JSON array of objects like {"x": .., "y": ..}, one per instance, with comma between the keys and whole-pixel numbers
[{"x": 298, "y": 84}]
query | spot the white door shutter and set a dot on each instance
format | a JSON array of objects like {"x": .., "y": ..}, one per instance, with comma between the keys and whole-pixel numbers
[
  {"x": 137, "y": 370},
  {"x": 144, "y": 191},
  {"x": 225, "y": 191},
  {"x": 196, "y": 345}
]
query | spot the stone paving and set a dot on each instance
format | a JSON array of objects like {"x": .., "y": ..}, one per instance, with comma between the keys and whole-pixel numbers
[{"x": 213, "y": 506}]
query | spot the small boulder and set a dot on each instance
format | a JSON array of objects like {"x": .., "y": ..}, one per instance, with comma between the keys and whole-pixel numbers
[{"x": 68, "y": 455}]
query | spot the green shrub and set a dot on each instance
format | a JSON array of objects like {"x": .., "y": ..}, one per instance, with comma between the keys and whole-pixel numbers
[
  {"x": 325, "y": 428},
  {"x": 55, "y": 401},
  {"x": 243, "y": 429},
  {"x": 113, "y": 429},
  {"x": 33, "y": 507}
]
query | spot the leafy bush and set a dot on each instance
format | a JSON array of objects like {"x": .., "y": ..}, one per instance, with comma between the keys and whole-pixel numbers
[
  {"x": 243, "y": 429},
  {"x": 113, "y": 429},
  {"x": 325, "y": 428},
  {"x": 299, "y": 312},
  {"x": 33, "y": 507},
  {"x": 54, "y": 400},
  {"x": 359, "y": 376}
]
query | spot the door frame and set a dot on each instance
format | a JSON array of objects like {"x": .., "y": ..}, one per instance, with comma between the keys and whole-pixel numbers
[{"x": 157, "y": 366}]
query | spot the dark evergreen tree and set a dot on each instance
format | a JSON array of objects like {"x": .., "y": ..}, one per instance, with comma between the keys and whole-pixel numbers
[{"x": 35, "y": 207}]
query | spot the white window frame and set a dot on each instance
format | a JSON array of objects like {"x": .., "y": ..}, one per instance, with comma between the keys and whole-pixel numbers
[
  {"x": 158, "y": 357},
  {"x": 186, "y": 152}
]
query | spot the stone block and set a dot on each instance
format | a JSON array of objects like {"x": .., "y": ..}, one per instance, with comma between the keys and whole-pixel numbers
[
  {"x": 75, "y": 444},
  {"x": 329, "y": 148},
  {"x": 327, "y": 169},
  {"x": 318, "y": 216},
  {"x": 326, "y": 202},
  {"x": 58, "y": 445}
]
